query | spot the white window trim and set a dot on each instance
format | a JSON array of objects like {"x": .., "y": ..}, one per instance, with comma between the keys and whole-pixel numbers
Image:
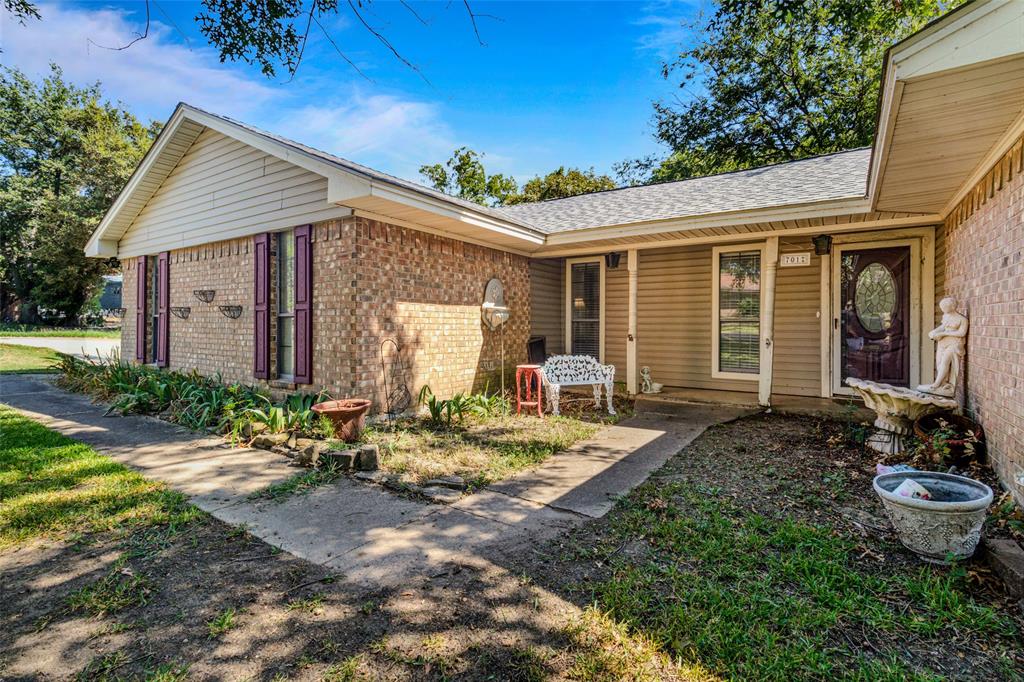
[
  {"x": 715, "y": 285},
  {"x": 569, "y": 262}
]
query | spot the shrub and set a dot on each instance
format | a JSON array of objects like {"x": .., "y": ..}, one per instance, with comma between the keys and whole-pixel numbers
[{"x": 189, "y": 399}]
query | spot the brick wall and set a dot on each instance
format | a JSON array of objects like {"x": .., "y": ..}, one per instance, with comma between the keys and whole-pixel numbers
[
  {"x": 984, "y": 270},
  {"x": 371, "y": 281}
]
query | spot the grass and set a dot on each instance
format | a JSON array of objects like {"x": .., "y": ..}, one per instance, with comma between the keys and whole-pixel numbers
[
  {"x": 118, "y": 590},
  {"x": 15, "y": 359},
  {"x": 51, "y": 485},
  {"x": 35, "y": 330},
  {"x": 764, "y": 598},
  {"x": 299, "y": 483},
  {"x": 221, "y": 623},
  {"x": 480, "y": 450}
]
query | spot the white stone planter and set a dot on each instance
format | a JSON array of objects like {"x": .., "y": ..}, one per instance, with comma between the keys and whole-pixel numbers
[{"x": 948, "y": 525}]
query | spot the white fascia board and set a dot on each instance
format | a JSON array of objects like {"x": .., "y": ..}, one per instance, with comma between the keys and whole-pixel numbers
[
  {"x": 92, "y": 247},
  {"x": 984, "y": 31},
  {"x": 825, "y": 209}
]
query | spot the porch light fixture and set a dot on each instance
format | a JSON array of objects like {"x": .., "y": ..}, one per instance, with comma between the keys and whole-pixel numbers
[
  {"x": 822, "y": 244},
  {"x": 611, "y": 260}
]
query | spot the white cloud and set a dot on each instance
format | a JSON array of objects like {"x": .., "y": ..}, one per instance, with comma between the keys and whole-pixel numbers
[
  {"x": 666, "y": 23},
  {"x": 386, "y": 132},
  {"x": 151, "y": 76},
  {"x": 390, "y": 132}
]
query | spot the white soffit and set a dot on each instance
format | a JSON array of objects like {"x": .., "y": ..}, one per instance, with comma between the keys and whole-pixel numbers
[{"x": 953, "y": 100}]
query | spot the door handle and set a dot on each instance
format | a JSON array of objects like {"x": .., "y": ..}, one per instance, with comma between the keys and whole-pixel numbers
[{"x": 835, "y": 323}]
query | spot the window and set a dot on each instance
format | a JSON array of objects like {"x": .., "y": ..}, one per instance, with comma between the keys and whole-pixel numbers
[
  {"x": 585, "y": 306},
  {"x": 286, "y": 304},
  {"x": 737, "y": 313},
  {"x": 153, "y": 273}
]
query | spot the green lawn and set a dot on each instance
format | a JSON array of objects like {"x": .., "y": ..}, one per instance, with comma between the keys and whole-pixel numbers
[
  {"x": 16, "y": 359},
  {"x": 51, "y": 485},
  {"x": 777, "y": 598},
  {"x": 35, "y": 330}
]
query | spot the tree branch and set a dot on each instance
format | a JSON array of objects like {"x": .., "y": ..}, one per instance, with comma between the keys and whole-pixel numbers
[
  {"x": 340, "y": 53},
  {"x": 138, "y": 36},
  {"x": 414, "y": 12},
  {"x": 305, "y": 38},
  {"x": 384, "y": 41}
]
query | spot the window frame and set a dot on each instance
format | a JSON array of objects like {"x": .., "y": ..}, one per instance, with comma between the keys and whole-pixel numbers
[
  {"x": 278, "y": 280},
  {"x": 716, "y": 328},
  {"x": 569, "y": 262}
]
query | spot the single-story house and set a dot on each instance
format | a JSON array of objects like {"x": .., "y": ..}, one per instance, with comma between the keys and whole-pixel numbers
[{"x": 295, "y": 264}]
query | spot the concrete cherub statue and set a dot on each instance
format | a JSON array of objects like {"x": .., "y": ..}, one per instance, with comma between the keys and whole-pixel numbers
[{"x": 950, "y": 341}]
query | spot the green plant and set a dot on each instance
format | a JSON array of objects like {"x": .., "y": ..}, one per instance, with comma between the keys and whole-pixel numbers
[
  {"x": 221, "y": 623},
  {"x": 435, "y": 406},
  {"x": 945, "y": 441}
]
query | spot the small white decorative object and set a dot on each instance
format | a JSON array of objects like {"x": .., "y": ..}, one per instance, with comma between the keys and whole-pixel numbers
[
  {"x": 950, "y": 344},
  {"x": 648, "y": 385},
  {"x": 896, "y": 408},
  {"x": 577, "y": 370},
  {"x": 494, "y": 312},
  {"x": 795, "y": 260}
]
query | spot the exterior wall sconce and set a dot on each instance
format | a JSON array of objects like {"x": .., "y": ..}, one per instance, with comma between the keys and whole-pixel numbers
[
  {"x": 611, "y": 260},
  {"x": 822, "y": 244}
]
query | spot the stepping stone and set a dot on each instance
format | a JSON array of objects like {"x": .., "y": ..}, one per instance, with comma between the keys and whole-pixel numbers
[{"x": 441, "y": 494}]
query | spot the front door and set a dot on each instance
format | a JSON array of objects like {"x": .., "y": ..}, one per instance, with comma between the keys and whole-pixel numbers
[{"x": 874, "y": 316}]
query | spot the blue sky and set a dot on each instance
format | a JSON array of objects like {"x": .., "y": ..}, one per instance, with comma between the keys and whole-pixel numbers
[{"x": 555, "y": 83}]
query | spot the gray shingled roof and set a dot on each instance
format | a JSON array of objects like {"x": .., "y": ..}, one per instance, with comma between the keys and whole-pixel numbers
[{"x": 835, "y": 176}]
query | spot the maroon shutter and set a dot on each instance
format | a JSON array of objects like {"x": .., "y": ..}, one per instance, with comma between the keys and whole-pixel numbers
[
  {"x": 303, "y": 305},
  {"x": 261, "y": 306},
  {"x": 140, "y": 309},
  {"x": 163, "y": 305}
]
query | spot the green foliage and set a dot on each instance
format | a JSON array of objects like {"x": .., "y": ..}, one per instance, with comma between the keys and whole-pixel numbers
[
  {"x": 16, "y": 359},
  {"x": 463, "y": 176},
  {"x": 755, "y": 597},
  {"x": 777, "y": 80},
  {"x": 189, "y": 399},
  {"x": 118, "y": 590},
  {"x": 564, "y": 182},
  {"x": 9, "y": 329},
  {"x": 65, "y": 154},
  {"x": 51, "y": 485},
  {"x": 221, "y": 623},
  {"x": 444, "y": 412}
]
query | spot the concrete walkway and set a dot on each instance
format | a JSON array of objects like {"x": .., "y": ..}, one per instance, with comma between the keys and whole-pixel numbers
[
  {"x": 360, "y": 530},
  {"x": 82, "y": 346}
]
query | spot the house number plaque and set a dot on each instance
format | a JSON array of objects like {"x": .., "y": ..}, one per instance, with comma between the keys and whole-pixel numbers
[{"x": 795, "y": 260}]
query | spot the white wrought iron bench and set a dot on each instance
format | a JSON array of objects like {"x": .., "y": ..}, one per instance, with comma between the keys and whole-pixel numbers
[{"x": 577, "y": 370}]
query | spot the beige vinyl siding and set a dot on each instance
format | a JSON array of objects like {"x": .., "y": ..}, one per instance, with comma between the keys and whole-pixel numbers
[
  {"x": 797, "y": 360},
  {"x": 616, "y": 317},
  {"x": 547, "y": 299},
  {"x": 940, "y": 270},
  {"x": 222, "y": 189},
  {"x": 674, "y": 319}
]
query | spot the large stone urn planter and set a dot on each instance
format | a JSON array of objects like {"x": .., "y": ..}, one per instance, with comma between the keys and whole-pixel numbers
[
  {"x": 946, "y": 526},
  {"x": 348, "y": 416}
]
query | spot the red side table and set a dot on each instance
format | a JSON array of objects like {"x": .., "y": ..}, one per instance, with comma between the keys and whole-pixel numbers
[{"x": 530, "y": 373}]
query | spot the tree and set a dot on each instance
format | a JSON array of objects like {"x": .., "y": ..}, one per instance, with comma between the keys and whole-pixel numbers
[
  {"x": 269, "y": 33},
  {"x": 777, "y": 80},
  {"x": 561, "y": 183},
  {"x": 463, "y": 176},
  {"x": 64, "y": 157}
]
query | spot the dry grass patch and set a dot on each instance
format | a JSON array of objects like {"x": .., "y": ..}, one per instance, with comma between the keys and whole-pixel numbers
[{"x": 479, "y": 450}]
